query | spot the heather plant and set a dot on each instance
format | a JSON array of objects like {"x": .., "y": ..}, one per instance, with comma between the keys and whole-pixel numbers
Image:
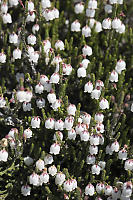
[{"x": 66, "y": 99}]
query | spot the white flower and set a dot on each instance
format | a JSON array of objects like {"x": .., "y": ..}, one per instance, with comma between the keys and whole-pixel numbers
[
  {"x": 120, "y": 1},
  {"x": 2, "y": 102},
  {"x": 13, "y": 3},
  {"x": 59, "y": 45},
  {"x": 113, "y": 1},
  {"x": 40, "y": 103},
  {"x": 92, "y": 22},
  {"x": 128, "y": 164},
  {"x": 60, "y": 178},
  {"x": 12, "y": 143},
  {"x": 99, "y": 128},
  {"x": 68, "y": 185},
  {"x": 39, "y": 88},
  {"x": 4, "y": 7},
  {"x": 49, "y": 123},
  {"x": 7, "y": 18},
  {"x": 54, "y": 78},
  {"x": 75, "y": 26},
  {"x": 67, "y": 69},
  {"x": 95, "y": 94},
  {"x": 25, "y": 190},
  {"x": 30, "y": 6},
  {"x": 127, "y": 189},
  {"x": 55, "y": 149},
  {"x": 30, "y": 50},
  {"x": 93, "y": 149},
  {"x": 51, "y": 97},
  {"x": 108, "y": 8},
  {"x": 113, "y": 76},
  {"x": 84, "y": 135},
  {"x": 20, "y": 96},
  {"x": 89, "y": 190},
  {"x": 34, "y": 179},
  {"x": 121, "y": 29},
  {"x": 88, "y": 87},
  {"x": 87, "y": 50},
  {"x": 48, "y": 159},
  {"x": 74, "y": 182},
  {"x": 35, "y": 122},
  {"x": 52, "y": 170},
  {"x": 17, "y": 53},
  {"x": 116, "y": 193},
  {"x": 116, "y": 23},
  {"x": 35, "y": 28},
  {"x": 102, "y": 164},
  {"x": 40, "y": 164},
  {"x": 44, "y": 178},
  {"x": 99, "y": 117},
  {"x": 100, "y": 187},
  {"x": 94, "y": 139},
  {"x": 28, "y": 96},
  {"x": 56, "y": 13},
  {"x": 90, "y": 159},
  {"x": 104, "y": 104},
  {"x": 71, "y": 109},
  {"x": 59, "y": 125},
  {"x": 59, "y": 134},
  {"x": 3, "y": 155},
  {"x": 101, "y": 139},
  {"x": 26, "y": 106},
  {"x": 85, "y": 63},
  {"x": 98, "y": 27},
  {"x": 31, "y": 17},
  {"x": 46, "y": 3},
  {"x": 90, "y": 13},
  {"x": 48, "y": 14},
  {"x": 109, "y": 150},
  {"x": 72, "y": 134},
  {"x": 99, "y": 84},
  {"x": 28, "y": 133},
  {"x": 2, "y": 58},
  {"x": 31, "y": 39},
  {"x": 13, "y": 38},
  {"x": 56, "y": 105},
  {"x": 43, "y": 79},
  {"x": 68, "y": 124},
  {"x": 86, "y": 31},
  {"x": 95, "y": 169},
  {"x": 106, "y": 24},
  {"x": 86, "y": 118},
  {"x": 115, "y": 146},
  {"x": 108, "y": 190},
  {"x": 34, "y": 56},
  {"x": 79, "y": 7},
  {"x": 92, "y": 4},
  {"x": 46, "y": 45},
  {"x": 28, "y": 161},
  {"x": 120, "y": 66},
  {"x": 122, "y": 154},
  {"x": 56, "y": 60},
  {"x": 81, "y": 72},
  {"x": 79, "y": 128}
]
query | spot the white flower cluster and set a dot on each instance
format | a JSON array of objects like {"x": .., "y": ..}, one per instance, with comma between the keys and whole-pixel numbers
[
  {"x": 107, "y": 23},
  {"x": 44, "y": 92},
  {"x": 123, "y": 192}
]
